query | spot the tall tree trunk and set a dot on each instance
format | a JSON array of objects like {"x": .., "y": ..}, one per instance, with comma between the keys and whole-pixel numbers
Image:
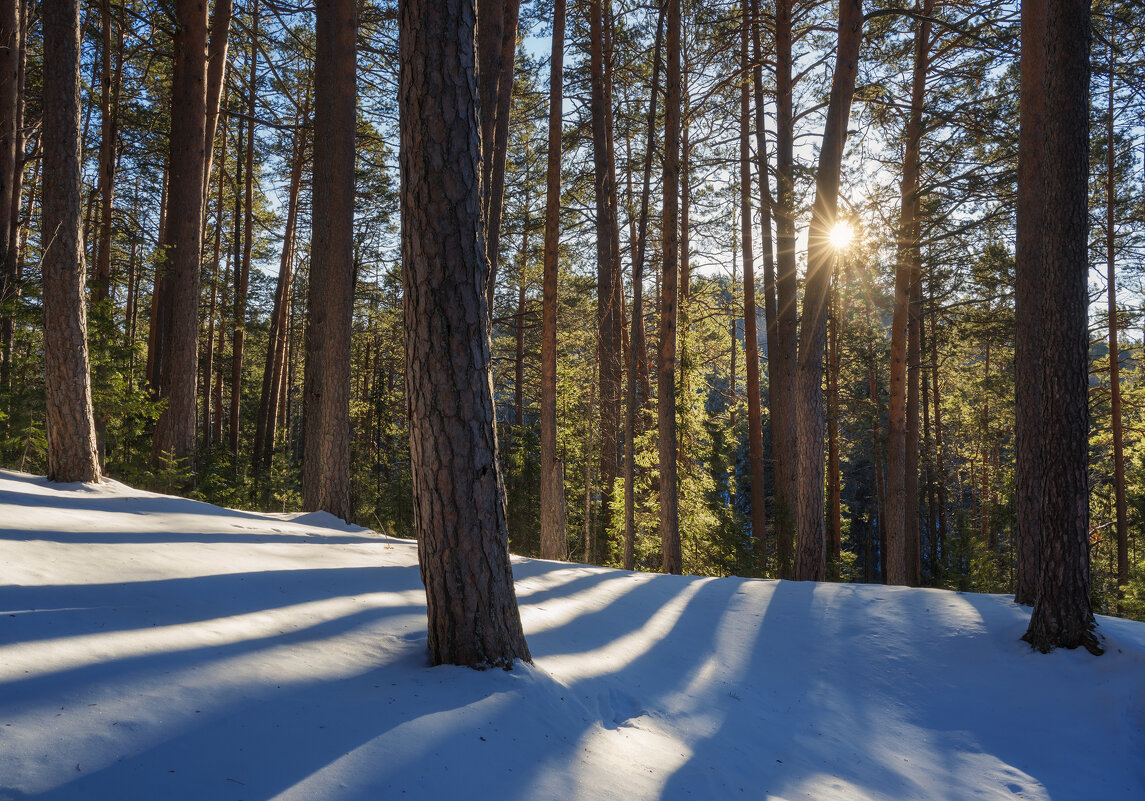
[
  {"x": 1029, "y": 462},
  {"x": 209, "y": 368},
  {"x": 610, "y": 289},
  {"x": 928, "y": 461},
  {"x": 109, "y": 124},
  {"x": 902, "y": 502},
  {"x": 217, "y": 376},
  {"x": 666, "y": 368},
  {"x": 554, "y": 530},
  {"x": 1114, "y": 348},
  {"x": 939, "y": 460},
  {"x": 766, "y": 202},
  {"x": 495, "y": 196},
  {"x": 911, "y": 223},
  {"x": 182, "y": 243},
  {"x": 70, "y": 426},
  {"x": 751, "y": 338},
  {"x": 242, "y": 272},
  {"x": 157, "y": 313},
  {"x": 810, "y": 557},
  {"x": 459, "y": 498},
  {"x": 1062, "y": 614},
  {"x": 834, "y": 477},
  {"x": 326, "y": 430},
  {"x": 782, "y": 350},
  {"x": 217, "y": 63},
  {"x": 9, "y": 157},
  {"x": 272, "y": 374},
  {"x": 12, "y": 54},
  {"x": 637, "y": 350}
]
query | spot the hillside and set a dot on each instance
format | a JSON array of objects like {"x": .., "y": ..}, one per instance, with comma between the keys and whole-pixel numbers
[{"x": 159, "y": 648}]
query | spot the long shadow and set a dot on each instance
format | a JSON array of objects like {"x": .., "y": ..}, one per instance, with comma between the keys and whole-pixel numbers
[
  {"x": 272, "y": 739},
  {"x": 771, "y": 728},
  {"x": 617, "y": 699},
  {"x": 53, "y": 611},
  {"x": 132, "y": 670},
  {"x": 64, "y": 496},
  {"x": 205, "y": 538},
  {"x": 829, "y": 710}
]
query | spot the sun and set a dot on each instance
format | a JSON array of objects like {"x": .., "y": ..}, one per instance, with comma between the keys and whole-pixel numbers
[{"x": 841, "y": 235}]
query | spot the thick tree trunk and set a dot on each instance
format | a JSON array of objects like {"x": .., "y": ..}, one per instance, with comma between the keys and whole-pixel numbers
[
  {"x": 554, "y": 530},
  {"x": 326, "y": 430},
  {"x": 70, "y": 426},
  {"x": 1062, "y": 614},
  {"x": 666, "y": 368},
  {"x": 751, "y": 337},
  {"x": 782, "y": 350},
  {"x": 810, "y": 557},
  {"x": 182, "y": 243},
  {"x": 459, "y": 498},
  {"x": 1029, "y": 462}
]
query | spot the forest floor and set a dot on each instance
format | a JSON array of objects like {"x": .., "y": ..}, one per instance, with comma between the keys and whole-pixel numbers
[{"x": 159, "y": 648}]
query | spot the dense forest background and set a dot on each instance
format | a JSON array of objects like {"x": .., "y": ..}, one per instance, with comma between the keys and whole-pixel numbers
[{"x": 253, "y": 310}]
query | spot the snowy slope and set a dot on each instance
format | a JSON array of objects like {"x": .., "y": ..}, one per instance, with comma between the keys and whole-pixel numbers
[{"x": 160, "y": 648}]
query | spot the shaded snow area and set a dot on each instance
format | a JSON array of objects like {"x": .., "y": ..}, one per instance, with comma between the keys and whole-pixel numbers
[{"x": 163, "y": 649}]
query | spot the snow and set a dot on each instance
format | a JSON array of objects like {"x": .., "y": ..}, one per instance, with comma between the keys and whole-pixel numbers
[{"x": 155, "y": 647}]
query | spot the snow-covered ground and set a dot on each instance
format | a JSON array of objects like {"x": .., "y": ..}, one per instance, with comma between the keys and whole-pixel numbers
[{"x": 159, "y": 648}]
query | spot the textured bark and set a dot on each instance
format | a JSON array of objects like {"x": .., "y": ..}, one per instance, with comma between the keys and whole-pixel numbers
[
  {"x": 326, "y": 430},
  {"x": 459, "y": 498},
  {"x": 666, "y": 367},
  {"x": 70, "y": 426},
  {"x": 810, "y": 556},
  {"x": 554, "y": 530},
  {"x": 782, "y": 349},
  {"x": 751, "y": 337},
  {"x": 610, "y": 286},
  {"x": 179, "y": 269},
  {"x": 1062, "y": 615},
  {"x": 1029, "y": 462}
]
